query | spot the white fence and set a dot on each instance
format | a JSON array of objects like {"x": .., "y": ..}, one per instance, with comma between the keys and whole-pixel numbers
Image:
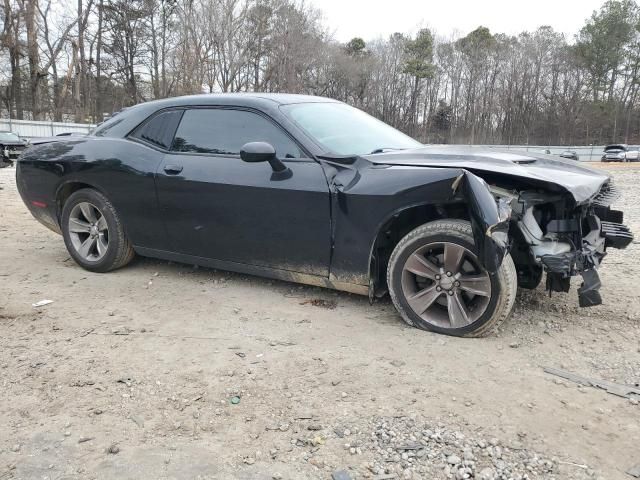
[
  {"x": 586, "y": 153},
  {"x": 33, "y": 128}
]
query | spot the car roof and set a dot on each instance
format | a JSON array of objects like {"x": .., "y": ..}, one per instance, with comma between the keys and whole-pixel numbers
[
  {"x": 240, "y": 99},
  {"x": 128, "y": 118}
]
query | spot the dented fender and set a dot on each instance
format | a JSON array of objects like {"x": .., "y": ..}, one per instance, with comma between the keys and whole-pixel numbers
[
  {"x": 490, "y": 224},
  {"x": 358, "y": 214}
]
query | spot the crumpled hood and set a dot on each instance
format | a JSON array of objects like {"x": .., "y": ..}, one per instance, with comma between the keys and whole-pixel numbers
[{"x": 581, "y": 181}]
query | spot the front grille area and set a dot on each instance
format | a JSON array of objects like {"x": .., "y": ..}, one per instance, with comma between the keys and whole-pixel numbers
[
  {"x": 13, "y": 151},
  {"x": 608, "y": 194},
  {"x": 616, "y": 235}
]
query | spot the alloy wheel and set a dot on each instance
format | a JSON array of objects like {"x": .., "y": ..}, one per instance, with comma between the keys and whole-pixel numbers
[
  {"x": 88, "y": 231},
  {"x": 445, "y": 285}
]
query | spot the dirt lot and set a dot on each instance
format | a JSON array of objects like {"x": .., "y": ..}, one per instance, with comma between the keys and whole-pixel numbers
[{"x": 134, "y": 374}]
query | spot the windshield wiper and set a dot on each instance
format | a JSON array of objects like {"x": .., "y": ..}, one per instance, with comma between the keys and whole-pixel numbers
[{"x": 384, "y": 149}]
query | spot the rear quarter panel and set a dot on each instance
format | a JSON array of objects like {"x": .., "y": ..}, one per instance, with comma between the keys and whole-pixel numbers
[{"x": 121, "y": 169}]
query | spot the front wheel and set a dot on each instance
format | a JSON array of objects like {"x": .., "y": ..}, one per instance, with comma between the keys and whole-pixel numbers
[
  {"x": 437, "y": 283},
  {"x": 93, "y": 232}
]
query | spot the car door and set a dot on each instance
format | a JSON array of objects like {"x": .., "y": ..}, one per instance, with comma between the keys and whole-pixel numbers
[{"x": 217, "y": 206}]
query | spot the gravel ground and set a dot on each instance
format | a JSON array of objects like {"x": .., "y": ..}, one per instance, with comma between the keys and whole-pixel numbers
[{"x": 162, "y": 370}]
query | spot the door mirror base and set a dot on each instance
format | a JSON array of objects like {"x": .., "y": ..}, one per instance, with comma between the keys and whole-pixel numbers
[{"x": 253, "y": 152}]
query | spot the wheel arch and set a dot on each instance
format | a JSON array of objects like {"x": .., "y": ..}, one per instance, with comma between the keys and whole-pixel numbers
[
  {"x": 68, "y": 188},
  {"x": 395, "y": 226}
]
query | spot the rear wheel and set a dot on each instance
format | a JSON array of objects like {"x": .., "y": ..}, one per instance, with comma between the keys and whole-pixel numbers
[
  {"x": 93, "y": 232},
  {"x": 437, "y": 283}
]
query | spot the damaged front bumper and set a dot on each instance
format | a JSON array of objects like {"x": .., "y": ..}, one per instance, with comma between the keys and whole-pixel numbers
[{"x": 566, "y": 240}]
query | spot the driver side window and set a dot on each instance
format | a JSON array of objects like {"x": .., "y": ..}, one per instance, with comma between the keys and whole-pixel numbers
[{"x": 224, "y": 132}]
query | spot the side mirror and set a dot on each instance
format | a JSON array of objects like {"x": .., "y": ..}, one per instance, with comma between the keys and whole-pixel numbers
[{"x": 261, "y": 152}]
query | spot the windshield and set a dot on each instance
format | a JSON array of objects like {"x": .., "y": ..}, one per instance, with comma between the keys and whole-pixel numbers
[
  {"x": 9, "y": 137},
  {"x": 345, "y": 130}
]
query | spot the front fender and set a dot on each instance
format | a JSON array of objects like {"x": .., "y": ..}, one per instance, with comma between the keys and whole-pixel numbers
[
  {"x": 490, "y": 224},
  {"x": 364, "y": 198}
]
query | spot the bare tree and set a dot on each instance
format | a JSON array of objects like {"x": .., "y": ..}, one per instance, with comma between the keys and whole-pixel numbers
[{"x": 81, "y": 58}]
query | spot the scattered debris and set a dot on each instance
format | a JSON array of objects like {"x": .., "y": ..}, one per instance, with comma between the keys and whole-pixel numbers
[
  {"x": 320, "y": 302},
  {"x": 235, "y": 400},
  {"x": 128, "y": 381},
  {"x": 41, "y": 303},
  {"x": 614, "y": 388},
  {"x": 577, "y": 465},
  {"x": 137, "y": 420},
  {"x": 122, "y": 330},
  {"x": 341, "y": 475},
  {"x": 85, "y": 439},
  {"x": 283, "y": 427},
  {"x": 634, "y": 471},
  {"x": 241, "y": 354},
  {"x": 82, "y": 383},
  {"x": 281, "y": 344},
  {"x": 87, "y": 332},
  {"x": 113, "y": 449},
  {"x": 410, "y": 446}
]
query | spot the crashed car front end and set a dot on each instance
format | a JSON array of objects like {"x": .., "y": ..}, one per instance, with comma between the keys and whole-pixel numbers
[{"x": 551, "y": 232}]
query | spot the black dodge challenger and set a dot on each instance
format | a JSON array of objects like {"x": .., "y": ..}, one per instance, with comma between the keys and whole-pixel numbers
[{"x": 311, "y": 190}]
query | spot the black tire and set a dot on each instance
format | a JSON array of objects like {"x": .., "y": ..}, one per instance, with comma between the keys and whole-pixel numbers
[
  {"x": 503, "y": 283},
  {"x": 119, "y": 251}
]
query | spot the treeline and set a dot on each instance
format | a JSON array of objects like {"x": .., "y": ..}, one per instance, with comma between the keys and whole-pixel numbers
[{"x": 77, "y": 60}]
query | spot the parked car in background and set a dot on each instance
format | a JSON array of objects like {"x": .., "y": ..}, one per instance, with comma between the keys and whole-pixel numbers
[
  {"x": 11, "y": 146},
  {"x": 618, "y": 152},
  {"x": 632, "y": 154},
  {"x": 570, "y": 154}
]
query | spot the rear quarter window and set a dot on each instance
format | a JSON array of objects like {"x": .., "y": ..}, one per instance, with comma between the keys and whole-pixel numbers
[{"x": 159, "y": 129}]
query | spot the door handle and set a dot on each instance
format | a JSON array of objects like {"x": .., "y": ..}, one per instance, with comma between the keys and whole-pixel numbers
[{"x": 172, "y": 169}]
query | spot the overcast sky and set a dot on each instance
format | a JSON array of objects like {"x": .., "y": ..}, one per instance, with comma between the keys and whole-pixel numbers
[{"x": 370, "y": 19}]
